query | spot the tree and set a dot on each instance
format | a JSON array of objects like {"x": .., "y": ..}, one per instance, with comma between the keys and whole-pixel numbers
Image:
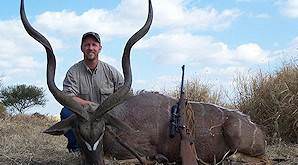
[{"x": 19, "y": 98}]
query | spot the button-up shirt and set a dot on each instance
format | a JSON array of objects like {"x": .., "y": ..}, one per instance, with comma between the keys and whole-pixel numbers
[{"x": 92, "y": 85}]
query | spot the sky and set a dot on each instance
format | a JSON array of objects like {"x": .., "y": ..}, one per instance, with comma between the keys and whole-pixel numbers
[{"x": 216, "y": 40}]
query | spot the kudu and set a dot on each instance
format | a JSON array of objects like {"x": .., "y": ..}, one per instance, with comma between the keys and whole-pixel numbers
[
  {"x": 142, "y": 121},
  {"x": 89, "y": 125}
]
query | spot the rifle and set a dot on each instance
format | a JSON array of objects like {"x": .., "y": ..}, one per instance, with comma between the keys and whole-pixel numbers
[
  {"x": 175, "y": 121},
  {"x": 178, "y": 125}
]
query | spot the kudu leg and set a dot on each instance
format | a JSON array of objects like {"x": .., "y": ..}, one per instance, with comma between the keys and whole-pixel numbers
[
  {"x": 131, "y": 150},
  {"x": 141, "y": 160},
  {"x": 145, "y": 160}
]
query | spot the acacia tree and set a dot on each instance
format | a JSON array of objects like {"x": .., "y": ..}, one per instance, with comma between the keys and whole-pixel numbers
[{"x": 19, "y": 98}]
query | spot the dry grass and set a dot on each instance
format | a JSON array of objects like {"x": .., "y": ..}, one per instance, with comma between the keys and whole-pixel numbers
[
  {"x": 197, "y": 90},
  {"x": 2, "y": 110},
  {"x": 22, "y": 143},
  {"x": 283, "y": 153},
  {"x": 271, "y": 100}
]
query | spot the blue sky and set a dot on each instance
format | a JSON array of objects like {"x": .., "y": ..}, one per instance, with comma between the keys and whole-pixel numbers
[{"x": 215, "y": 39}]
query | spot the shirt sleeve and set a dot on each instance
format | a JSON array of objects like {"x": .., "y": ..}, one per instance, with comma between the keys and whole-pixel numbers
[
  {"x": 120, "y": 79},
  {"x": 115, "y": 77},
  {"x": 70, "y": 83}
]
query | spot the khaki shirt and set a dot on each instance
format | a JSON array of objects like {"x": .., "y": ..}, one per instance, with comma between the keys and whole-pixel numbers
[{"x": 89, "y": 85}]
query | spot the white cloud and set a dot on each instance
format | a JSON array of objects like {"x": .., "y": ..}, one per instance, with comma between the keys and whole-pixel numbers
[
  {"x": 19, "y": 53},
  {"x": 69, "y": 23},
  {"x": 251, "y": 52},
  {"x": 13, "y": 39},
  {"x": 131, "y": 14},
  {"x": 180, "y": 47},
  {"x": 289, "y": 8},
  {"x": 16, "y": 49},
  {"x": 175, "y": 14}
]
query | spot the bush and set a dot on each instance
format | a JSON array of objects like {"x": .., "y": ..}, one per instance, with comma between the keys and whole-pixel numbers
[
  {"x": 195, "y": 90},
  {"x": 271, "y": 100}
]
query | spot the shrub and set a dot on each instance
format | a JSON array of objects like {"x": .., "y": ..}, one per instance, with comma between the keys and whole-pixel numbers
[
  {"x": 271, "y": 100},
  {"x": 196, "y": 90}
]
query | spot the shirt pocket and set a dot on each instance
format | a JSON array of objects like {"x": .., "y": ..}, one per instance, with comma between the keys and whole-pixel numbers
[
  {"x": 84, "y": 94},
  {"x": 105, "y": 92}
]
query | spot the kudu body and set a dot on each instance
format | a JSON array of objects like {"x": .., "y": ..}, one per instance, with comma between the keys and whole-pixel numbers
[
  {"x": 142, "y": 121},
  {"x": 218, "y": 131}
]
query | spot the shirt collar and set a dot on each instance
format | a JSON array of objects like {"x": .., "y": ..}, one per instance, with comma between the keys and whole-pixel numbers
[{"x": 90, "y": 70}]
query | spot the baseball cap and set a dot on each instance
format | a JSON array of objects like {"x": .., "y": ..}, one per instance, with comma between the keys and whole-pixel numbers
[{"x": 93, "y": 34}]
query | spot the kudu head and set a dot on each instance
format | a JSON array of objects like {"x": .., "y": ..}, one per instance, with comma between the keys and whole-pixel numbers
[{"x": 88, "y": 122}]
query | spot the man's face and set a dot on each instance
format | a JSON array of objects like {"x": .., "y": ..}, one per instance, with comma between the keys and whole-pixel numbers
[{"x": 90, "y": 48}]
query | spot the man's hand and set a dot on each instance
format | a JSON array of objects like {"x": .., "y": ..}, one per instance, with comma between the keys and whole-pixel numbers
[
  {"x": 81, "y": 101},
  {"x": 87, "y": 105}
]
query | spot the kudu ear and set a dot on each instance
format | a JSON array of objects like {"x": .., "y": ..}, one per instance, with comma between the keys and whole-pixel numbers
[{"x": 61, "y": 127}]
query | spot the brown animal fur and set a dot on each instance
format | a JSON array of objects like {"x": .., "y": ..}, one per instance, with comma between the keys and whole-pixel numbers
[{"x": 217, "y": 130}]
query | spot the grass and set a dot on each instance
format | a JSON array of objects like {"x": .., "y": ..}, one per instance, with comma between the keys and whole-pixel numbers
[
  {"x": 197, "y": 90},
  {"x": 23, "y": 143},
  {"x": 283, "y": 153},
  {"x": 271, "y": 100}
]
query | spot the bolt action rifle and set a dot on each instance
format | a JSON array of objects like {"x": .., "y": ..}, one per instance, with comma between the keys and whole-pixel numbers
[
  {"x": 178, "y": 125},
  {"x": 175, "y": 121}
]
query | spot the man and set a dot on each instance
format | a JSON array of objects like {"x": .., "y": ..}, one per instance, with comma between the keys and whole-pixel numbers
[{"x": 89, "y": 81}]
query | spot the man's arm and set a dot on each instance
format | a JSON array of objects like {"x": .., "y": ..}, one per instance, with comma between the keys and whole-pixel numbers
[
  {"x": 81, "y": 101},
  {"x": 118, "y": 80},
  {"x": 70, "y": 87}
]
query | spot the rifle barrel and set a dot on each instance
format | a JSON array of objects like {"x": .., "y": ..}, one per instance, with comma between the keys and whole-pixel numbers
[{"x": 182, "y": 81}]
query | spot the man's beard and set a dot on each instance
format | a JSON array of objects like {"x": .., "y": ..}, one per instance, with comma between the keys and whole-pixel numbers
[{"x": 90, "y": 56}]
